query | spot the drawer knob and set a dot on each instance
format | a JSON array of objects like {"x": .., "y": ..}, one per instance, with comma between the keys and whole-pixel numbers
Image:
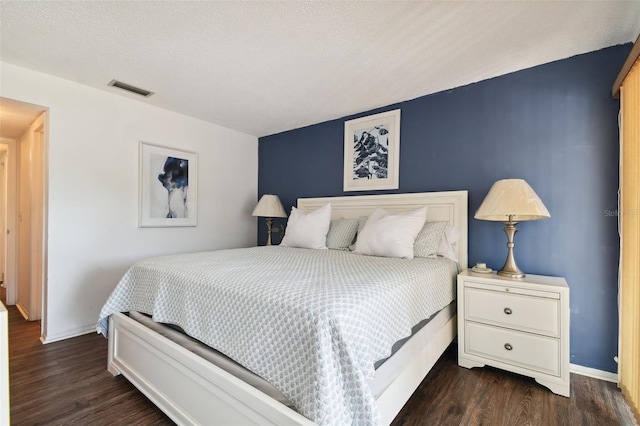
[
  {"x": 508, "y": 311},
  {"x": 508, "y": 346}
]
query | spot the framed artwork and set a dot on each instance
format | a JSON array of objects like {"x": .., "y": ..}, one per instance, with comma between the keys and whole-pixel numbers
[
  {"x": 372, "y": 152},
  {"x": 168, "y": 187}
]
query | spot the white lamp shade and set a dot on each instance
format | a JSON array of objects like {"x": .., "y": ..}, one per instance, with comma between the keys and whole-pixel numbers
[
  {"x": 511, "y": 198},
  {"x": 269, "y": 206}
]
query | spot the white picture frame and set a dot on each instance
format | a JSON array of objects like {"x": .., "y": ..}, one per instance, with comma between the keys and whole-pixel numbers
[
  {"x": 168, "y": 187},
  {"x": 370, "y": 144}
]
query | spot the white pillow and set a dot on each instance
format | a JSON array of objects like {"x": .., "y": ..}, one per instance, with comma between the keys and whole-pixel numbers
[
  {"x": 391, "y": 235},
  {"x": 308, "y": 230},
  {"x": 362, "y": 220},
  {"x": 448, "y": 243}
]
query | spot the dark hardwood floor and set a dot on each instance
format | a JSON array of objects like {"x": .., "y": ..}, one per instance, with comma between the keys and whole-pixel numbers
[
  {"x": 452, "y": 395},
  {"x": 66, "y": 383}
]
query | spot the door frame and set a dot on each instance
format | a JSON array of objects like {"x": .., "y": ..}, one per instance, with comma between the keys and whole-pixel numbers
[
  {"x": 39, "y": 222},
  {"x": 11, "y": 243}
]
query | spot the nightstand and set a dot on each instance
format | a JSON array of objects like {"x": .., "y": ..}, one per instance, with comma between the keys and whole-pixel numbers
[{"x": 515, "y": 325}]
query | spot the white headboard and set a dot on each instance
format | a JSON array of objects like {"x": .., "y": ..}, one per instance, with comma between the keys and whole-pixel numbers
[{"x": 448, "y": 205}]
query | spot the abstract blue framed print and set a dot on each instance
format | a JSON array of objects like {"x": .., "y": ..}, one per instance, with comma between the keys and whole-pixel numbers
[{"x": 168, "y": 187}]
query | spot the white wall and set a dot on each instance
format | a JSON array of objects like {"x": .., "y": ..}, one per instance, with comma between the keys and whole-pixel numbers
[{"x": 93, "y": 190}]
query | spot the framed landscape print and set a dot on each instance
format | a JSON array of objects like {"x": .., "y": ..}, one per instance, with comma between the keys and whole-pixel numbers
[
  {"x": 372, "y": 152},
  {"x": 168, "y": 187}
]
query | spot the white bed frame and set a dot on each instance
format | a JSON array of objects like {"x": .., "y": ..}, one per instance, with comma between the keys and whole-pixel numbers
[{"x": 191, "y": 390}]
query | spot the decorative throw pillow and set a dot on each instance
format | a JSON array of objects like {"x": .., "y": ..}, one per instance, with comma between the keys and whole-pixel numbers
[
  {"x": 428, "y": 240},
  {"x": 308, "y": 230},
  {"x": 391, "y": 235},
  {"x": 341, "y": 233}
]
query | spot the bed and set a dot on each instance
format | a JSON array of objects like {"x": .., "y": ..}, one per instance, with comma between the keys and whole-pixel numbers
[{"x": 192, "y": 390}]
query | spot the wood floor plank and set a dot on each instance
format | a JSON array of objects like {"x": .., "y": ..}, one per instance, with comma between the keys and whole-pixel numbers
[
  {"x": 451, "y": 395},
  {"x": 67, "y": 383}
]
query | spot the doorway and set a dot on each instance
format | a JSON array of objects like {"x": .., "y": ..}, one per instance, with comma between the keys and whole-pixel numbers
[
  {"x": 23, "y": 130},
  {"x": 3, "y": 225},
  {"x": 8, "y": 201}
]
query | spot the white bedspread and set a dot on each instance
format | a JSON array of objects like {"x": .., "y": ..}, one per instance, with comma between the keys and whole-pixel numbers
[{"x": 311, "y": 322}]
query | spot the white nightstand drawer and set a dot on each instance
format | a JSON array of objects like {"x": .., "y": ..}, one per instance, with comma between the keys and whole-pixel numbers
[
  {"x": 526, "y": 313},
  {"x": 534, "y": 328},
  {"x": 521, "y": 349}
]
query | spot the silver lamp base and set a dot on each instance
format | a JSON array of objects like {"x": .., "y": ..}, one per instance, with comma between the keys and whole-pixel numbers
[
  {"x": 511, "y": 274},
  {"x": 510, "y": 268},
  {"x": 269, "y": 224}
]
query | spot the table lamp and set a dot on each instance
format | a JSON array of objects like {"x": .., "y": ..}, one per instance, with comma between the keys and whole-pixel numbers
[
  {"x": 269, "y": 206},
  {"x": 511, "y": 201}
]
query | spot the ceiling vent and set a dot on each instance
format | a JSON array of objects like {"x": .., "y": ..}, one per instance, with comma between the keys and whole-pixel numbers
[{"x": 130, "y": 88}]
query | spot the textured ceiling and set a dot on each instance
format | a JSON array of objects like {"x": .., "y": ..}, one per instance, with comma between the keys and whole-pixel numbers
[{"x": 266, "y": 67}]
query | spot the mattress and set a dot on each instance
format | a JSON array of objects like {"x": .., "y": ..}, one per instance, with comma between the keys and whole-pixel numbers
[
  {"x": 314, "y": 322},
  {"x": 386, "y": 369}
]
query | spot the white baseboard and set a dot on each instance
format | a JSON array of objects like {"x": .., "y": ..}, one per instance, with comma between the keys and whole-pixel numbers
[
  {"x": 23, "y": 311},
  {"x": 592, "y": 372},
  {"x": 573, "y": 368},
  {"x": 68, "y": 334}
]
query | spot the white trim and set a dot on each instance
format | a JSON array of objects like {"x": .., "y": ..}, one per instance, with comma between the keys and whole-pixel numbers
[
  {"x": 43, "y": 289},
  {"x": 4, "y": 366},
  {"x": 11, "y": 245},
  {"x": 23, "y": 311},
  {"x": 593, "y": 372},
  {"x": 80, "y": 331}
]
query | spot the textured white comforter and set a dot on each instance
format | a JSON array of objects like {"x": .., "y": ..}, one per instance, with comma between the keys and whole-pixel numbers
[{"x": 311, "y": 322}]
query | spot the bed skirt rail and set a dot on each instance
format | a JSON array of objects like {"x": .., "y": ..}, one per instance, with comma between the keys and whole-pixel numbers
[
  {"x": 187, "y": 388},
  {"x": 192, "y": 391},
  {"x": 391, "y": 401}
]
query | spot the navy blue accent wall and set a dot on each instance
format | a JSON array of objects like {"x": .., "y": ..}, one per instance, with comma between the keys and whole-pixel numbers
[{"x": 554, "y": 125}]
